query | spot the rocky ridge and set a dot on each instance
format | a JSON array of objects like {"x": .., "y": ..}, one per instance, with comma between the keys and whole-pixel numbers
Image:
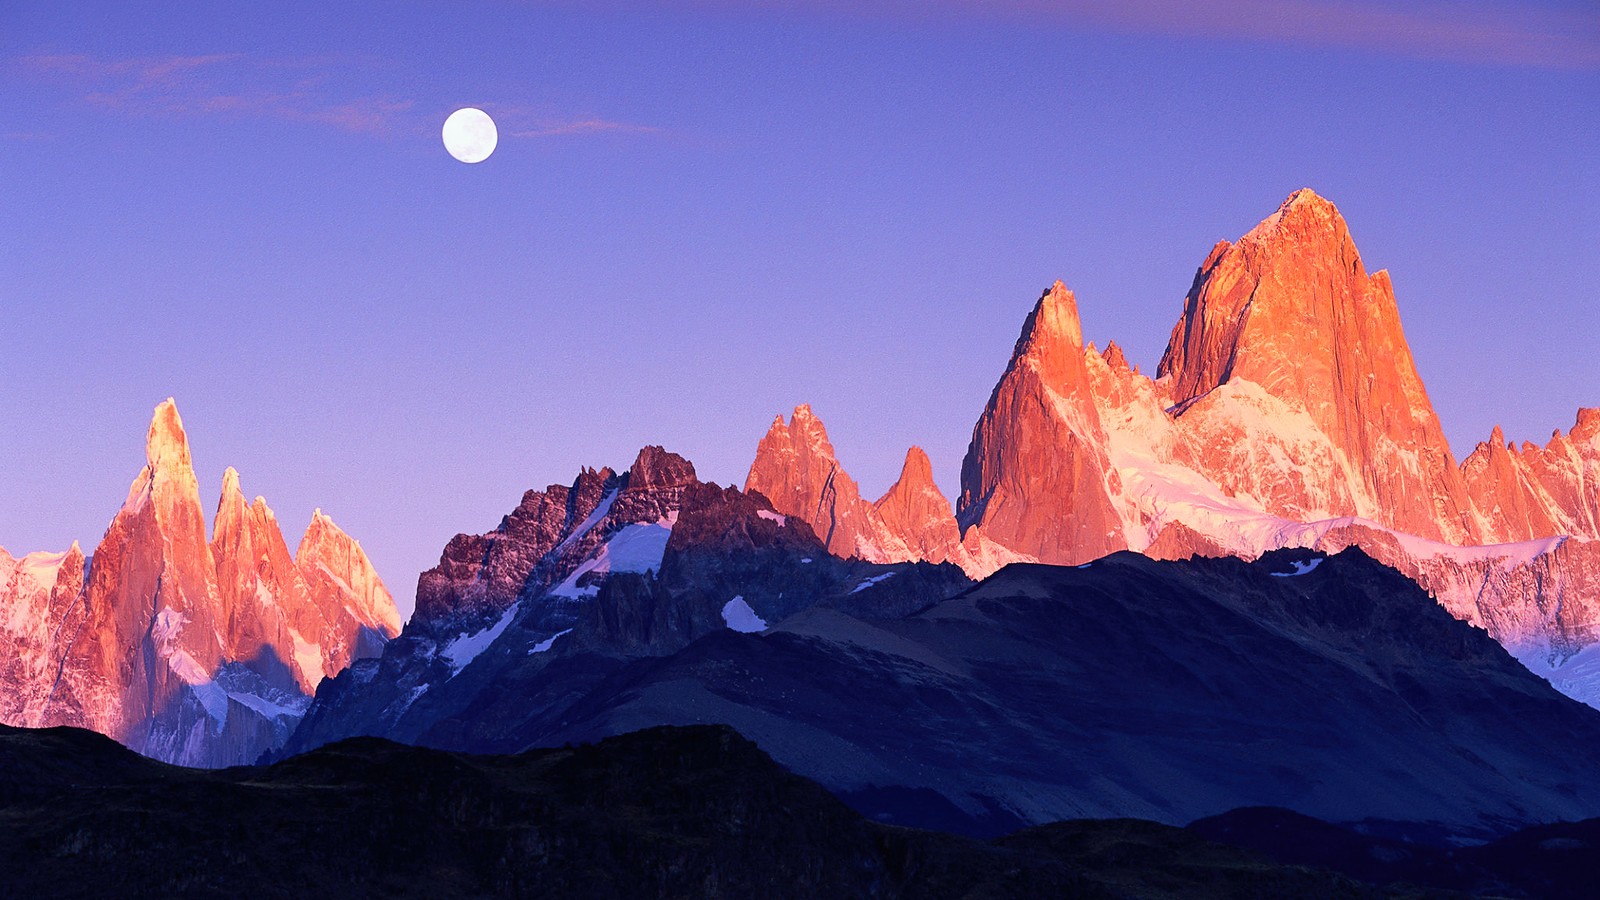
[
  {"x": 622, "y": 568},
  {"x": 797, "y": 471}
]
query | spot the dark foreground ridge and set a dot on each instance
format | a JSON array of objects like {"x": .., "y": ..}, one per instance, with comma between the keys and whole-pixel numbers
[
  {"x": 692, "y": 811},
  {"x": 666, "y": 812}
]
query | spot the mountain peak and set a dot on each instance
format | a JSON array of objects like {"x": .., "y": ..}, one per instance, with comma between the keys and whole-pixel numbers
[
  {"x": 656, "y": 467},
  {"x": 166, "y": 442},
  {"x": 917, "y": 469},
  {"x": 1114, "y": 356},
  {"x": 797, "y": 471},
  {"x": 1588, "y": 422},
  {"x": 1041, "y": 436},
  {"x": 1304, "y": 213},
  {"x": 917, "y": 512},
  {"x": 1055, "y": 322},
  {"x": 1306, "y": 196},
  {"x": 1291, "y": 310},
  {"x": 806, "y": 422}
]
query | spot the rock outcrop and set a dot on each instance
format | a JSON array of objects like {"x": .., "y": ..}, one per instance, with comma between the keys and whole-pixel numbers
[{"x": 796, "y": 469}]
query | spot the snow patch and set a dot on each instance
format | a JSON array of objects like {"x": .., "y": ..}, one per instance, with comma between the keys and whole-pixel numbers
[
  {"x": 1510, "y": 556},
  {"x": 465, "y": 649},
  {"x": 741, "y": 618},
  {"x": 308, "y": 656},
  {"x": 411, "y": 698},
  {"x": 601, "y": 510},
  {"x": 264, "y": 595},
  {"x": 632, "y": 548},
  {"x": 42, "y": 566},
  {"x": 806, "y": 559},
  {"x": 267, "y": 709},
  {"x": 1577, "y": 676},
  {"x": 547, "y": 643},
  {"x": 211, "y": 696},
  {"x": 1301, "y": 567},
  {"x": 167, "y": 626},
  {"x": 872, "y": 581},
  {"x": 771, "y": 516}
]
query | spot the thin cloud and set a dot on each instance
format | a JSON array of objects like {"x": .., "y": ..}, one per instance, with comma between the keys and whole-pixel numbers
[
  {"x": 584, "y": 126},
  {"x": 216, "y": 84},
  {"x": 138, "y": 71},
  {"x": 286, "y": 90}
]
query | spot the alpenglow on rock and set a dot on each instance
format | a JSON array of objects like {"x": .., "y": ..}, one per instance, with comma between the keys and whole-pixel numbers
[
  {"x": 1041, "y": 437},
  {"x": 1290, "y": 315},
  {"x": 1287, "y": 411},
  {"x": 796, "y": 470},
  {"x": 195, "y": 652}
]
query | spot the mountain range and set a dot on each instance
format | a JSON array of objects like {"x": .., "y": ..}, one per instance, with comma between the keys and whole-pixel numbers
[
  {"x": 1259, "y": 578},
  {"x": 1286, "y": 412}
]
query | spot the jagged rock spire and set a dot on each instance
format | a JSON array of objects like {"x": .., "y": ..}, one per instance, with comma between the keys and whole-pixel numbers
[{"x": 1036, "y": 477}]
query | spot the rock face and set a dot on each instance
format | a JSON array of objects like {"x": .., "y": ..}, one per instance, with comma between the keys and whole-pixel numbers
[
  {"x": 796, "y": 469},
  {"x": 358, "y": 614},
  {"x": 196, "y": 652},
  {"x": 479, "y": 576},
  {"x": 38, "y": 593},
  {"x": 1040, "y": 436},
  {"x": 1532, "y": 492},
  {"x": 1291, "y": 311}
]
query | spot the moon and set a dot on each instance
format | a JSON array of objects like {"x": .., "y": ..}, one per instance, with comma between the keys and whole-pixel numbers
[{"x": 470, "y": 135}]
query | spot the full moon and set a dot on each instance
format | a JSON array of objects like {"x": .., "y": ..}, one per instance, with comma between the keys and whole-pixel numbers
[{"x": 469, "y": 135}]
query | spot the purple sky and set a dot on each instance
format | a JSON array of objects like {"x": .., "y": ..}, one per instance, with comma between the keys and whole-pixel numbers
[{"x": 702, "y": 213}]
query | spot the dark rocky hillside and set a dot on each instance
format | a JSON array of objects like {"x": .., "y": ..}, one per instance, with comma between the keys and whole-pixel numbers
[{"x": 668, "y": 812}]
